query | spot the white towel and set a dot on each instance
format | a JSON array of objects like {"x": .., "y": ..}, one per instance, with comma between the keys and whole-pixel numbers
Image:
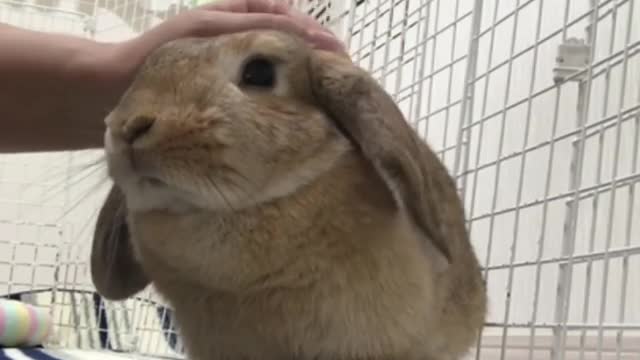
[
  {"x": 26, "y": 354},
  {"x": 57, "y": 354}
]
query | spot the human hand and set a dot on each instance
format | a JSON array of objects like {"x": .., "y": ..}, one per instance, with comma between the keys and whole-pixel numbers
[
  {"x": 239, "y": 15},
  {"x": 287, "y": 18},
  {"x": 218, "y": 18},
  {"x": 118, "y": 62}
]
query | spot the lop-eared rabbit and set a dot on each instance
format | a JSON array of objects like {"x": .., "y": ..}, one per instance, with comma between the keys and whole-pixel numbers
[{"x": 277, "y": 198}]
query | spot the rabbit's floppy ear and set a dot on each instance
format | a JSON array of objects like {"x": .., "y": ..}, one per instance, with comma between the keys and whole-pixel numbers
[
  {"x": 368, "y": 116},
  {"x": 115, "y": 271}
]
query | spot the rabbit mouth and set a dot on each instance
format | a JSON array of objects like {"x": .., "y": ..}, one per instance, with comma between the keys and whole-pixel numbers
[
  {"x": 148, "y": 193},
  {"x": 142, "y": 186},
  {"x": 154, "y": 181}
]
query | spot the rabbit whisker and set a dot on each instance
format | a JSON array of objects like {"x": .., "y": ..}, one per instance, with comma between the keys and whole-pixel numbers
[
  {"x": 73, "y": 181},
  {"x": 77, "y": 167},
  {"x": 85, "y": 196},
  {"x": 57, "y": 176},
  {"x": 215, "y": 186},
  {"x": 56, "y": 170},
  {"x": 113, "y": 233},
  {"x": 86, "y": 224},
  {"x": 241, "y": 192}
]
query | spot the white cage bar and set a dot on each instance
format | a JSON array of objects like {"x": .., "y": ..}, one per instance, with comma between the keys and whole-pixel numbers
[{"x": 534, "y": 106}]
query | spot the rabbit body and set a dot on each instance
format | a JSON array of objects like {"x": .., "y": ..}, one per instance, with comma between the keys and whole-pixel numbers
[{"x": 317, "y": 255}]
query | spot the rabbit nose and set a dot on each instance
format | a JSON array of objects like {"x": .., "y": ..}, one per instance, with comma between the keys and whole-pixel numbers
[{"x": 137, "y": 127}]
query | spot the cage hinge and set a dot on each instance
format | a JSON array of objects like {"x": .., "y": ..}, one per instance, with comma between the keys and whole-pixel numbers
[{"x": 574, "y": 55}]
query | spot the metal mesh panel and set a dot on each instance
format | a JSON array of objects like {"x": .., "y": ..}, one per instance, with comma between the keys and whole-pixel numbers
[{"x": 534, "y": 106}]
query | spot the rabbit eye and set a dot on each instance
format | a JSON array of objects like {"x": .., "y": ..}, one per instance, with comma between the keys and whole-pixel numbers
[{"x": 259, "y": 72}]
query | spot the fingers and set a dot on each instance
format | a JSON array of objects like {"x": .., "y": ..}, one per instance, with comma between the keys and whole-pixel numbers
[
  {"x": 327, "y": 41},
  {"x": 251, "y": 6},
  {"x": 321, "y": 35},
  {"x": 214, "y": 23},
  {"x": 307, "y": 20},
  {"x": 280, "y": 7},
  {"x": 243, "y": 15},
  {"x": 226, "y": 5},
  {"x": 269, "y": 6}
]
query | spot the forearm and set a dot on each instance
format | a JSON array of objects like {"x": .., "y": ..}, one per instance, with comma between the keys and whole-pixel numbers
[{"x": 50, "y": 91}]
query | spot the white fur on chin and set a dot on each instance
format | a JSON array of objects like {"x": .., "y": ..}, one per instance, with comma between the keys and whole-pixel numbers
[{"x": 140, "y": 194}]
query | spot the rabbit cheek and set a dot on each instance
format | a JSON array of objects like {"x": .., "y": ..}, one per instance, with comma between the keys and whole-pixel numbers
[{"x": 159, "y": 239}]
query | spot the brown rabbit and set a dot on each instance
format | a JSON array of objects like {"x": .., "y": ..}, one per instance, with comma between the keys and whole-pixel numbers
[{"x": 278, "y": 199}]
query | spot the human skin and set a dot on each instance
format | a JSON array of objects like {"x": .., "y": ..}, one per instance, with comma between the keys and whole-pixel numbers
[{"x": 55, "y": 89}]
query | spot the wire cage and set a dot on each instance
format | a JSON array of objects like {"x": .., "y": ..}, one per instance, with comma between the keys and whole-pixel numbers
[{"x": 533, "y": 105}]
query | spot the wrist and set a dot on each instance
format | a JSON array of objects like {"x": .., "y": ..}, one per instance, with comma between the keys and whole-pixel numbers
[
  {"x": 105, "y": 70},
  {"x": 98, "y": 64},
  {"x": 96, "y": 84},
  {"x": 120, "y": 61}
]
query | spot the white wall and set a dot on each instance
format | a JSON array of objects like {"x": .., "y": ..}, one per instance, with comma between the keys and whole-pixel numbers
[{"x": 429, "y": 88}]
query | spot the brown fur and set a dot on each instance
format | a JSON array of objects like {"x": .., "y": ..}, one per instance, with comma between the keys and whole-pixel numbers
[{"x": 310, "y": 221}]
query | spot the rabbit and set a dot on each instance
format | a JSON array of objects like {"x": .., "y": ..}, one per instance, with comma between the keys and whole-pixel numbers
[{"x": 276, "y": 197}]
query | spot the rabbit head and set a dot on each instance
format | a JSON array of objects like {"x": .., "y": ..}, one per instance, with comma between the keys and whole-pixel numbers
[
  {"x": 216, "y": 135},
  {"x": 217, "y": 124}
]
